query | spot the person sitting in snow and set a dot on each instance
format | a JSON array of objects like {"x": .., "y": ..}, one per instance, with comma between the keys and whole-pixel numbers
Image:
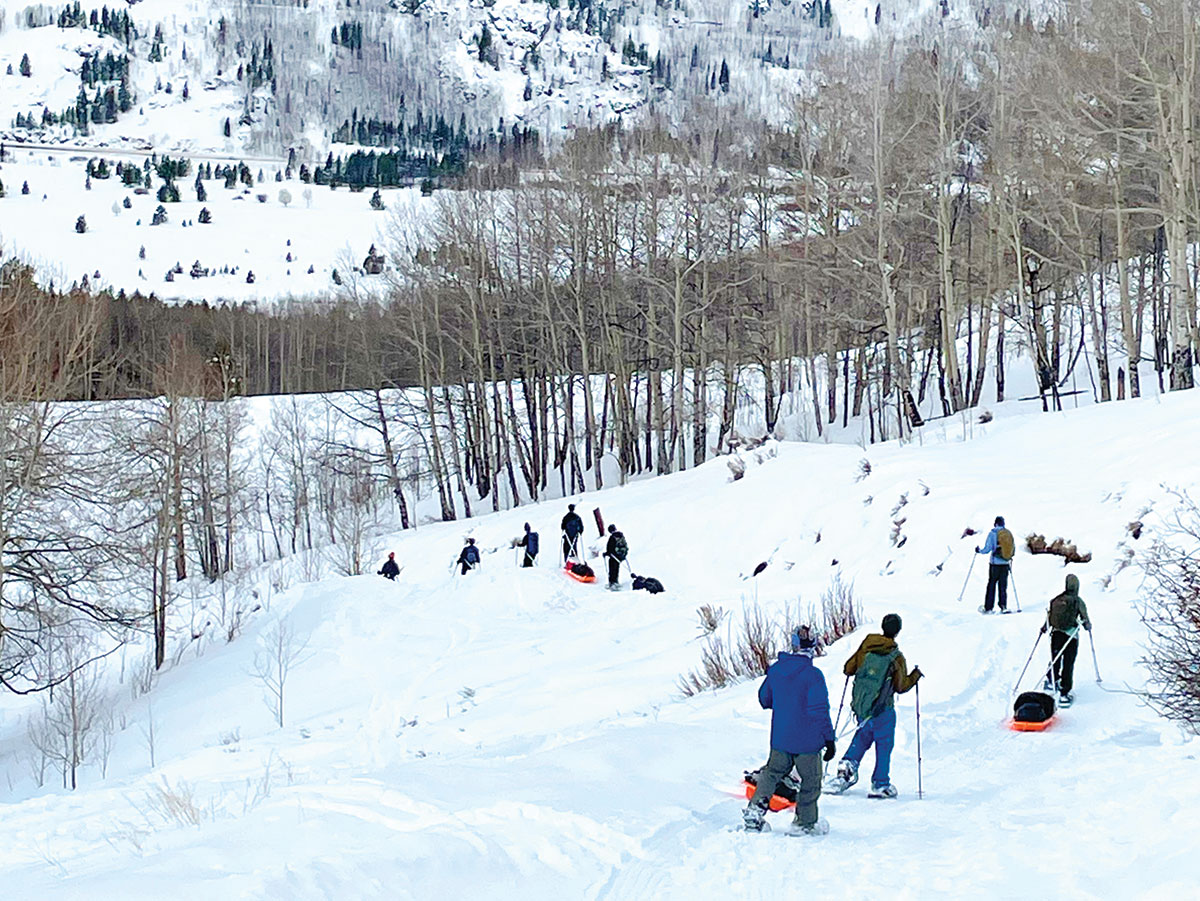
[
  {"x": 390, "y": 569},
  {"x": 616, "y": 551},
  {"x": 795, "y": 693},
  {"x": 1000, "y": 545},
  {"x": 880, "y": 673},
  {"x": 572, "y": 528},
  {"x": 529, "y": 541},
  {"x": 468, "y": 558},
  {"x": 1063, "y": 617}
]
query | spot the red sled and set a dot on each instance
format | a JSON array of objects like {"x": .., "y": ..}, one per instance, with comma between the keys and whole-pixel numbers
[
  {"x": 1033, "y": 711},
  {"x": 776, "y": 803},
  {"x": 587, "y": 574}
]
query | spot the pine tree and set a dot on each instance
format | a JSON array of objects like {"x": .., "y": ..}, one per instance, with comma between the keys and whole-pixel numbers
[
  {"x": 377, "y": 201},
  {"x": 160, "y": 215},
  {"x": 81, "y": 225},
  {"x": 25, "y": 68},
  {"x": 205, "y": 216}
]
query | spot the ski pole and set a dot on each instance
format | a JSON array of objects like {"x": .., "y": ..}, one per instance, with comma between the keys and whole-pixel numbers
[
  {"x": 1092, "y": 642},
  {"x": 920, "y": 790},
  {"x": 1012, "y": 577},
  {"x": 1027, "y": 662},
  {"x": 1054, "y": 659},
  {"x": 970, "y": 569},
  {"x": 837, "y": 722}
]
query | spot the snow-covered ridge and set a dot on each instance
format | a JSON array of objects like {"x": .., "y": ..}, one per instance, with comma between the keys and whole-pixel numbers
[{"x": 522, "y": 734}]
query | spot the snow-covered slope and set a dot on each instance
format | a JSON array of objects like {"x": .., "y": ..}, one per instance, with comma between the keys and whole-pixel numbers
[{"x": 515, "y": 734}]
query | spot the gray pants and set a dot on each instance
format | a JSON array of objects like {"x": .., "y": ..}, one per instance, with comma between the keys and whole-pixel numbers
[{"x": 808, "y": 768}]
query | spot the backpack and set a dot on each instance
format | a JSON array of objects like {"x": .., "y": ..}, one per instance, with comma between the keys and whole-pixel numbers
[
  {"x": 531, "y": 543},
  {"x": 620, "y": 549},
  {"x": 1033, "y": 707},
  {"x": 871, "y": 685},
  {"x": 649, "y": 583},
  {"x": 582, "y": 569},
  {"x": 471, "y": 554},
  {"x": 1005, "y": 545},
  {"x": 1064, "y": 612}
]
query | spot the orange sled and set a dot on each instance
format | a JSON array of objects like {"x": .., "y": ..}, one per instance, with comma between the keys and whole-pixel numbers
[
  {"x": 775, "y": 804},
  {"x": 1033, "y": 711},
  {"x": 587, "y": 576},
  {"x": 1022, "y": 726}
]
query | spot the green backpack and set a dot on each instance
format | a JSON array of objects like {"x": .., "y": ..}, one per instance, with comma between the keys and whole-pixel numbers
[
  {"x": 620, "y": 548},
  {"x": 871, "y": 683}
]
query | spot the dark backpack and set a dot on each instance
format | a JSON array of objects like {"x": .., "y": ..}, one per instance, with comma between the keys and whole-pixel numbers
[
  {"x": 1005, "y": 545},
  {"x": 1033, "y": 707},
  {"x": 620, "y": 550},
  {"x": 531, "y": 543},
  {"x": 471, "y": 554},
  {"x": 582, "y": 569},
  {"x": 872, "y": 683},
  {"x": 573, "y": 525},
  {"x": 649, "y": 583}
]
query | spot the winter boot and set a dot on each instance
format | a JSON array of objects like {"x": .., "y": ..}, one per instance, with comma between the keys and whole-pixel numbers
[
  {"x": 985, "y": 610},
  {"x": 847, "y": 775},
  {"x": 1066, "y": 699},
  {"x": 820, "y": 827},
  {"x": 754, "y": 819},
  {"x": 882, "y": 791}
]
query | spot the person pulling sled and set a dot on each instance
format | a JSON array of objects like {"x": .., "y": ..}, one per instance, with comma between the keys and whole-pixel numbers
[
  {"x": 572, "y": 528},
  {"x": 1063, "y": 618},
  {"x": 795, "y": 693},
  {"x": 880, "y": 673}
]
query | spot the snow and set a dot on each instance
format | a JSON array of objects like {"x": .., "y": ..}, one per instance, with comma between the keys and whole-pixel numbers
[{"x": 513, "y": 733}]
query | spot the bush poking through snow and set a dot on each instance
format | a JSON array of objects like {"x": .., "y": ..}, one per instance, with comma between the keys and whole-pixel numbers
[
  {"x": 710, "y": 618},
  {"x": 1059, "y": 547},
  {"x": 841, "y": 611},
  {"x": 173, "y": 804},
  {"x": 1170, "y": 610}
]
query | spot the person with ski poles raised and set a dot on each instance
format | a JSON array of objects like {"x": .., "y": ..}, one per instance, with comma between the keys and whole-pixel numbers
[
  {"x": 572, "y": 528},
  {"x": 795, "y": 693},
  {"x": 1063, "y": 618},
  {"x": 880, "y": 673},
  {"x": 1001, "y": 546}
]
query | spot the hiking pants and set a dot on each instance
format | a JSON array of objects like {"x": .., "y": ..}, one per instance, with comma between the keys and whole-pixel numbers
[
  {"x": 570, "y": 547},
  {"x": 1064, "y": 665},
  {"x": 528, "y": 559},
  {"x": 997, "y": 575},
  {"x": 614, "y": 570},
  {"x": 879, "y": 731},
  {"x": 808, "y": 768}
]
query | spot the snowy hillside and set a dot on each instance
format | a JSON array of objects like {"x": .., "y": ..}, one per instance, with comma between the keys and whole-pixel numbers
[{"x": 512, "y": 733}]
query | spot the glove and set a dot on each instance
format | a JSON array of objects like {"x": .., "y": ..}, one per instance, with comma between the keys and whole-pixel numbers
[
  {"x": 977, "y": 549},
  {"x": 916, "y": 673},
  {"x": 830, "y": 750},
  {"x": 1043, "y": 628},
  {"x": 1088, "y": 626}
]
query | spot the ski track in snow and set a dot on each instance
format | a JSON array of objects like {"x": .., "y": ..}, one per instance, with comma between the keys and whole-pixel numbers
[{"x": 523, "y": 735}]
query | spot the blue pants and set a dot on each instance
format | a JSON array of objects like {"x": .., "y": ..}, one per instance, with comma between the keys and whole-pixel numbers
[{"x": 879, "y": 731}]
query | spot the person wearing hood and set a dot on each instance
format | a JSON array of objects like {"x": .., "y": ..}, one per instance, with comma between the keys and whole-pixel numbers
[
  {"x": 795, "y": 693},
  {"x": 881, "y": 673},
  {"x": 1063, "y": 617},
  {"x": 529, "y": 541},
  {"x": 390, "y": 570}
]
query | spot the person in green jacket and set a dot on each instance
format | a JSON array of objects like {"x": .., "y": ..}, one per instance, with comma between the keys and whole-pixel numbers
[{"x": 1063, "y": 617}]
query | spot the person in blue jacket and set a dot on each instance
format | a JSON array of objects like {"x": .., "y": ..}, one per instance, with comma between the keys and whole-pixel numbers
[
  {"x": 795, "y": 693},
  {"x": 468, "y": 558},
  {"x": 998, "y": 567}
]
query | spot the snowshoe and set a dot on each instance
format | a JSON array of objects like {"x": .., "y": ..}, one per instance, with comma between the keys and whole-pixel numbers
[
  {"x": 985, "y": 611},
  {"x": 820, "y": 827},
  {"x": 1066, "y": 699},
  {"x": 883, "y": 791},
  {"x": 847, "y": 775},
  {"x": 754, "y": 820}
]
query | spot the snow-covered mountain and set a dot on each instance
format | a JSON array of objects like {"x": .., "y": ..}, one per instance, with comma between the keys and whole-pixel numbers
[{"x": 514, "y": 734}]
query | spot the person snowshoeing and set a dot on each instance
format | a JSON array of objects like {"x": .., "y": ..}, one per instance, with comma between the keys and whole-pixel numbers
[
  {"x": 795, "y": 693},
  {"x": 880, "y": 672},
  {"x": 616, "y": 551},
  {"x": 468, "y": 558},
  {"x": 390, "y": 570},
  {"x": 572, "y": 528},
  {"x": 1063, "y": 617},
  {"x": 529, "y": 541},
  {"x": 1001, "y": 547}
]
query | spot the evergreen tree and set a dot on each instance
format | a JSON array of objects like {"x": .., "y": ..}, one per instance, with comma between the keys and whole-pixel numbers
[
  {"x": 25, "y": 68},
  {"x": 205, "y": 216},
  {"x": 160, "y": 215},
  {"x": 377, "y": 201},
  {"x": 81, "y": 225}
]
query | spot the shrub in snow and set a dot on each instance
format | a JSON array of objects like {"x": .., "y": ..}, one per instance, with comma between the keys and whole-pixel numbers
[
  {"x": 205, "y": 216},
  {"x": 1059, "y": 547},
  {"x": 160, "y": 215},
  {"x": 81, "y": 225},
  {"x": 24, "y": 187},
  {"x": 285, "y": 196},
  {"x": 377, "y": 201}
]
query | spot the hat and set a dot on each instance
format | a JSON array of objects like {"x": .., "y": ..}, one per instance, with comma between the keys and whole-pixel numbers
[
  {"x": 570, "y": 507},
  {"x": 1000, "y": 520},
  {"x": 891, "y": 625},
  {"x": 611, "y": 527},
  {"x": 392, "y": 555},
  {"x": 526, "y": 527},
  {"x": 470, "y": 541},
  {"x": 803, "y": 642}
]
